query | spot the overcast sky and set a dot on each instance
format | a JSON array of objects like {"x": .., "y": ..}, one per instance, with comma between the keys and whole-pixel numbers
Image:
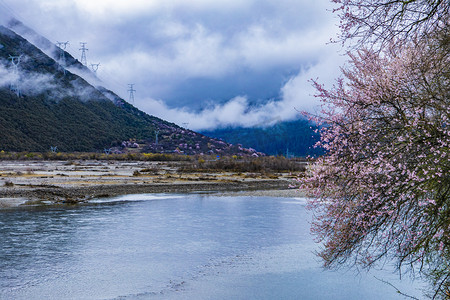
[{"x": 208, "y": 63}]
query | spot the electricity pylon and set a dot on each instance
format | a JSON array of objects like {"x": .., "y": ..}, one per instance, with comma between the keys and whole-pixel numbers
[
  {"x": 83, "y": 53},
  {"x": 14, "y": 87},
  {"x": 94, "y": 67},
  {"x": 131, "y": 90},
  {"x": 62, "y": 54},
  {"x": 62, "y": 46},
  {"x": 156, "y": 137}
]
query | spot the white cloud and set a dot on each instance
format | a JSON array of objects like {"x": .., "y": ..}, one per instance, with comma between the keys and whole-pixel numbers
[
  {"x": 164, "y": 45},
  {"x": 299, "y": 92},
  {"x": 296, "y": 96},
  {"x": 234, "y": 113},
  {"x": 6, "y": 76}
]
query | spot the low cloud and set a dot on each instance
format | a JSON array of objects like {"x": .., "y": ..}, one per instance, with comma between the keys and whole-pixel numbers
[
  {"x": 296, "y": 96},
  {"x": 206, "y": 62},
  {"x": 33, "y": 84},
  {"x": 6, "y": 76}
]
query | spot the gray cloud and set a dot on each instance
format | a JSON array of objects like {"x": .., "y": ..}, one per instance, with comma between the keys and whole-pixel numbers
[
  {"x": 198, "y": 58},
  {"x": 295, "y": 95}
]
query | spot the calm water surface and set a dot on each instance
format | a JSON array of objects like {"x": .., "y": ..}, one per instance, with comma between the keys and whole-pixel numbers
[{"x": 174, "y": 247}]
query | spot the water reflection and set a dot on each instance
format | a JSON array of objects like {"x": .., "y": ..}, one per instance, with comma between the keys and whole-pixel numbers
[{"x": 170, "y": 247}]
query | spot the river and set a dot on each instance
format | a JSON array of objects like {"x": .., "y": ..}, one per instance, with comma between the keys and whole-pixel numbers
[{"x": 163, "y": 246}]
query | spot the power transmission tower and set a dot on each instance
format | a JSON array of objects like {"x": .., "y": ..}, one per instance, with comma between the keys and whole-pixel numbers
[
  {"x": 94, "y": 67},
  {"x": 14, "y": 87},
  {"x": 62, "y": 46},
  {"x": 185, "y": 125},
  {"x": 156, "y": 134},
  {"x": 131, "y": 90},
  {"x": 62, "y": 55},
  {"x": 83, "y": 53}
]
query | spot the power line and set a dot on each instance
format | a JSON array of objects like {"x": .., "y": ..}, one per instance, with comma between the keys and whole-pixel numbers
[
  {"x": 83, "y": 53},
  {"x": 111, "y": 79},
  {"x": 12, "y": 12},
  {"x": 131, "y": 90}
]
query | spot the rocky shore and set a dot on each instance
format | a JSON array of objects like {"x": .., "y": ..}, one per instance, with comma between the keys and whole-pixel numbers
[{"x": 52, "y": 182}]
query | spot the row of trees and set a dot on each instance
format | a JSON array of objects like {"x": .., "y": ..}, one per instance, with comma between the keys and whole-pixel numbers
[{"x": 382, "y": 191}]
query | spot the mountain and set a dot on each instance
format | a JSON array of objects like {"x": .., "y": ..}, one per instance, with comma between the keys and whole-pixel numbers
[
  {"x": 288, "y": 138},
  {"x": 44, "y": 104}
]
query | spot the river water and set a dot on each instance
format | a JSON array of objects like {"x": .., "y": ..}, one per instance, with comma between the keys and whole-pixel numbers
[{"x": 195, "y": 246}]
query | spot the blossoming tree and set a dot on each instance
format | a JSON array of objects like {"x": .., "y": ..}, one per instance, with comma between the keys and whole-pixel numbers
[
  {"x": 382, "y": 191},
  {"x": 381, "y": 21}
]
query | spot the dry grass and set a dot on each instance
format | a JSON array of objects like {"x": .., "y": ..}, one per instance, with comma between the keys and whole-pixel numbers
[{"x": 262, "y": 165}]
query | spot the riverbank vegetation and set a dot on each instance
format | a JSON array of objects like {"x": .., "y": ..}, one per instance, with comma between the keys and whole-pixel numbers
[
  {"x": 68, "y": 156},
  {"x": 182, "y": 163}
]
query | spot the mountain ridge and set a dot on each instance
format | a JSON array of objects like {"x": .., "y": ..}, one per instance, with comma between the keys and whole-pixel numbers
[{"x": 54, "y": 107}]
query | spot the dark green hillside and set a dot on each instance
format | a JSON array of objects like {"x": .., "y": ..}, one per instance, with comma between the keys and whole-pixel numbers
[
  {"x": 36, "y": 123},
  {"x": 40, "y": 74},
  {"x": 57, "y": 108},
  {"x": 295, "y": 138}
]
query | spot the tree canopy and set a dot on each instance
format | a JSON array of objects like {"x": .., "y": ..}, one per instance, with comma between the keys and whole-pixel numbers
[
  {"x": 382, "y": 190},
  {"x": 381, "y": 22}
]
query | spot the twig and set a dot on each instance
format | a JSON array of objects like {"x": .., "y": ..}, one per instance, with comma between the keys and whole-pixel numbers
[{"x": 398, "y": 291}]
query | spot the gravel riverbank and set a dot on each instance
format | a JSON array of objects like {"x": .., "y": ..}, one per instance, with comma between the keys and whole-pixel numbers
[{"x": 34, "y": 182}]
